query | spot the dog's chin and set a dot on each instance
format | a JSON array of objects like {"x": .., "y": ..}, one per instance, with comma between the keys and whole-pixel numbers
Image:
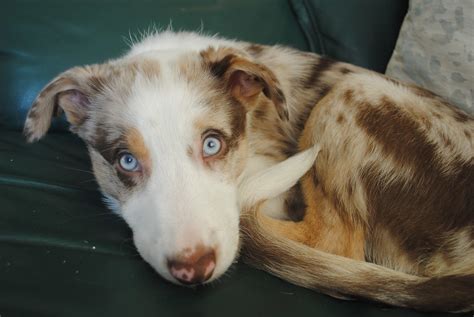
[
  {"x": 159, "y": 263},
  {"x": 157, "y": 249}
]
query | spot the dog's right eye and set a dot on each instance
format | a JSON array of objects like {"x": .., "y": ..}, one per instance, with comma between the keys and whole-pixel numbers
[
  {"x": 128, "y": 162},
  {"x": 211, "y": 146}
]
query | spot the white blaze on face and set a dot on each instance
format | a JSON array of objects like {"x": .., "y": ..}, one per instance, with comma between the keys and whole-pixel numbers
[{"x": 184, "y": 203}]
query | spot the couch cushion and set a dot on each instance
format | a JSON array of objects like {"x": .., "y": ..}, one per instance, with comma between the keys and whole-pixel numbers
[
  {"x": 435, "y": 50},
  {"x": 361, "y": 32},
  {"x": 42, "y": 38}
]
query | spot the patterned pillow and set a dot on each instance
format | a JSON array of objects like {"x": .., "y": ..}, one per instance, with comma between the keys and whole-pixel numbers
[{"x": 435, "y": 49}]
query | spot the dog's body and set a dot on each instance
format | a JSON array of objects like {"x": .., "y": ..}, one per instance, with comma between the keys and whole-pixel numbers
[{"x": 393, "y": 183}]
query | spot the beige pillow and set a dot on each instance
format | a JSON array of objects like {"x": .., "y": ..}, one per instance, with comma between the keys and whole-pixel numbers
[{"x": 435, "y": 49}]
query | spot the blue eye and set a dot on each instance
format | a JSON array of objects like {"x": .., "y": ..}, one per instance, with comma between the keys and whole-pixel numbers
[
  {"x": 128, "y": 162},
  {"x": 211, "y": 146}
]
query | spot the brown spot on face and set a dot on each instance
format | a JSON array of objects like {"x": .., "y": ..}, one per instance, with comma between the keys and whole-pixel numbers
[
  {"x": 136, "y": 145},
  {"x": 149, "y": 68},
  {"x": 128, "y": 180},
  {"x": 106, "y": 147},
  {"x": 467, "y": 134},
  {"x": 110, "y": 148}
]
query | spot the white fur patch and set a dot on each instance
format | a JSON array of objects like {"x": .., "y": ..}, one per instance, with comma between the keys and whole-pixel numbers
[{"x": 111, "y": 203}]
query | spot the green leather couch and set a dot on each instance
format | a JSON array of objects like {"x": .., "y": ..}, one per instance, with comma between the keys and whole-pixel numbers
[{"x": 62, "y": 253}]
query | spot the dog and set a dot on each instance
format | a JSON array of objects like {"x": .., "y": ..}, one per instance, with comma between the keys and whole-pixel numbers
[{"x": 335, "y": 178}]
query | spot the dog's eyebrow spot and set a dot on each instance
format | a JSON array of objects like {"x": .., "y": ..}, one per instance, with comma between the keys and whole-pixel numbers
[
  {"x": 105, "y": 145},
  {"x": 136, "y": 145}
]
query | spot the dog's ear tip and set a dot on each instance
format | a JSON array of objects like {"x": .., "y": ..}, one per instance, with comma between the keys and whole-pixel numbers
[
  {"x": 30, "y": 135},
  {"x": 30, "y": 138}
]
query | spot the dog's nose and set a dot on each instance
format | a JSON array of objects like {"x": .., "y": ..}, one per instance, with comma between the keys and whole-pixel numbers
[{"x": 195, "y": 268}]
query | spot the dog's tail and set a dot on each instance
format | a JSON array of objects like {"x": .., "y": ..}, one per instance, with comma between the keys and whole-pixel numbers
[{"x": 336, "y": 275}]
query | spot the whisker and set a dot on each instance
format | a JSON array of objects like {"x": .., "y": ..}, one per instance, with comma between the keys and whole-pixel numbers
[
  {"x": 87, "y": 181},
  {"x": 76, "y": 169}
]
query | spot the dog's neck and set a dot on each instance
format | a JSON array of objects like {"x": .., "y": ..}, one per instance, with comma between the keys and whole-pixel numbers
[{"x": 305, "y": 78}]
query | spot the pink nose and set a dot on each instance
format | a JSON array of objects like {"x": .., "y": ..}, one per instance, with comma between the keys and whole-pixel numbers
[{"x": 195, "y": 268}]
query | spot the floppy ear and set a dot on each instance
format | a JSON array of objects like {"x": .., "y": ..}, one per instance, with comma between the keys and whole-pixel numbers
[
  {"x": 245, "y": 79},
  {"x": 70, "y": 93}
]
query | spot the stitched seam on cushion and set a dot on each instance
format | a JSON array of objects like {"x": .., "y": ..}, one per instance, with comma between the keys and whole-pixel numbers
[
  {"x": 299, "y": 16},
  {"x": 300, "y": 10},
  {"x": 43, "y": 242},
  {"x": 315, "y": 26},
  {"x": 25, "y": 182}
]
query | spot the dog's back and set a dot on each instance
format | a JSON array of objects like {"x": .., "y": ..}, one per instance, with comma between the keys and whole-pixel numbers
[{"x": 393, "y": 184}]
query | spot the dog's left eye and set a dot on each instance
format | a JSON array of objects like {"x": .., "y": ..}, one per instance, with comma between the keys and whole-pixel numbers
[
  {"x": 128, "y": 162},
  {"x": 211, "y": 146}
]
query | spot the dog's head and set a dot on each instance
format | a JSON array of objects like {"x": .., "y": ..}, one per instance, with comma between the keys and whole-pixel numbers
[{"x": 166, "y": 133}]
